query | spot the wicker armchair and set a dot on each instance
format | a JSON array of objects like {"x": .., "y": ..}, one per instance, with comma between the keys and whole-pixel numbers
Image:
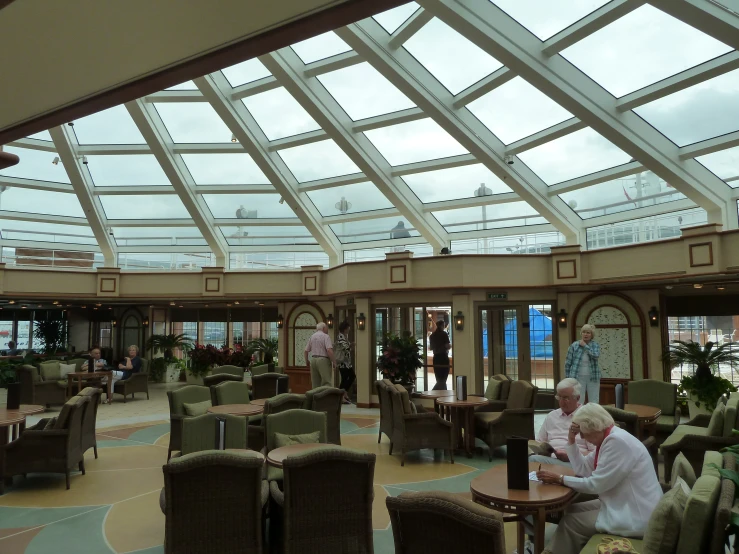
[
  {"x": 413, "y": 431},
  {"x": 50, "y": 446},
  {"x": 443, "y": 522},
  {"x": 212, "y": 380},
  {"x": 291, "y": 422},
  {"x": 203, "y": 433},
  {"x": 693, "y": 441},
  {"x": 138, "y": 382},
  {"x": 662, "y": 395},
  {"x": 269, "y": 385},
  {"x": 498, "y": 401},
  {"x": 177, "y": 398},
  {"x": 327, "y": 400},
  {"x": 386, "y": 410},
  {"x": 229, "y": 392},
  {"x": 89, "y": 421},
  {"x": 628, "y": 421},
  {"x": 326, "y": 505},
  {"x": 724, "y": 509},
  {"x": 34, "y": 390},
  {"x": 516, "y": 419},
  {"x": 213, "y": 503}
]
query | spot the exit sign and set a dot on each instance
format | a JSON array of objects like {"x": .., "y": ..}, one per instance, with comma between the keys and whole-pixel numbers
[{"x": 497, "y": 296}]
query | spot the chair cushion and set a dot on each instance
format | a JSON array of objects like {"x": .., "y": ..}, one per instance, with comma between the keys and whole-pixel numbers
[
  {"x": 716, "y": 425},
  {"x": 286, "y": 440},
  {"x": 36, "y": 375},
  {"x": 275, "y": 474},
  {"x": 520, "y": 395},
  {"x": 732, "y": 414},
  {"x": 492, "y": 391},
  {"x": 709, "y": 458},
  {"x": 663, "y": 529},
  {"x": 681, "y": 431},
  {"x": 50, "y": 423},
  {"x": 666, "y": 423},
  {"x": 62, "y": 383},
  {"x": 592, "y": 546},
  {"x": 404, "y": 398},
  {"x": 50, "y": 371},
  {"x": 651, "y": 392},
  {"x": 697, "y": 521},
  {"x": 486, "y": 418},
  {"x": 66, "y": 369},
  {"x": 681, "y": 469},
  {"x": 197, "y": 408}
]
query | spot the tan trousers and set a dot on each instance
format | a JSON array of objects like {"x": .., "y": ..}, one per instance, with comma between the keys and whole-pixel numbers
[
  {"x": 320, "y": 372},
  {"x": 575, "y": 528}
]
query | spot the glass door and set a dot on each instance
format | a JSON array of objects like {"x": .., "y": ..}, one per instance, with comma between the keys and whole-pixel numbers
[{"x": 505, "y": 342}]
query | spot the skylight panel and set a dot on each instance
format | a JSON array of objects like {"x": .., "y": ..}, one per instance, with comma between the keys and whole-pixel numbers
[
  {"x": 455, "y": 183},
  {"x": 35, "y": 165},
  {"x": 725, "y": 164},
  {"x": 415, "y": 141},
  {"x": 320, "y": 47},
  {"x": 143, "y": 206},
  {"x": 43, "y": 135},
  {"x": 392, "y": 19},
  {"x": 112, "y": 126},
  {"x": 224, "y": 169},
  {"x": 193, "y": 122},
  {"x": 383, "y": 228},
  {"x": 450, "y": 57},
  {"x": 46, "y": 232},
  {"x": 187, "y": 85},
  {"x": 278, "y": 114},
  {"x": 247, "y": 206},
  {"x": 246, "y": 72},
  {"x": 318, "y": 160},
  {"x": 267, "y": 235},
  {"x": 158, "y": 236},
  {"x": 546, "y": 18},
  {"x": 492, "y": 216},
  {"x": 16, "y": 199},
  {"x": 357, "y": 198},
  {"x": 126, "y": 170}
]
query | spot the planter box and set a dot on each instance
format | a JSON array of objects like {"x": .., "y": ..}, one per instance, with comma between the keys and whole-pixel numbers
[
  {"x": 192, "y": 380},
  {"x": 172, "y": 374},
  {"x": 694, "y": 410}
]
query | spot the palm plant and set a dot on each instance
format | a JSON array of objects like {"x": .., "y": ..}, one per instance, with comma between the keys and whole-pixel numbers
[
  {"x": 168, "y": 343},
  {"x": 705, "y": 385},
  {"x": 266, "y": 347}
]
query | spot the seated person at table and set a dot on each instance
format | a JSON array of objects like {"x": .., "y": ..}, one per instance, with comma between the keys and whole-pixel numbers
[
  {"x": 98, "y": 364},
  {"x": 12, "y": 350},
  {"x": 552, "y": 435},
  {"x": 130, "y": 365},
  {"x": 620, "y": 472}
]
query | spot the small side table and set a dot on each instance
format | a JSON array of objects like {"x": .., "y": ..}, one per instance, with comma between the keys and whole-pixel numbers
[
  {"x": 84, "y": 376},
  {"x": 462, "y": 414},
  {"x": 646, "y": 418},
  {"x": 276, "y": 456},
  {"x": 25, "y": 410},
  {"x": 237, "y": 409}
]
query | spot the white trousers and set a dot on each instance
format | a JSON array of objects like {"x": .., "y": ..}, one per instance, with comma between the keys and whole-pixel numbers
[
  {"x": 548, "y": 460},
  {"x": 575, "y": 528},
  {"x": 114, "y": 376},
  {"x": 592, "y": 388}
]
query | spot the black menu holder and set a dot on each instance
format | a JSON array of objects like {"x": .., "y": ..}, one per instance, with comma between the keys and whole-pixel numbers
[
  {"x": 461, "y": 387},
  {"x": 220, "y": 433},
  {"x": 518, "y": 463},
  {"x": 619, "y": 393},
  {"x": 14, "y": 396}
]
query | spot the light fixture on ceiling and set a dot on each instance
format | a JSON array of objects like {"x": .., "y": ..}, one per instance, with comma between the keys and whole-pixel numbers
[
  {"x": 509, "y": 160},
  {"x": 261, "y": 303},
  {"x": 24, "y": 307},
  {"x": 697, "y": 286},
  {"x": 720, "y": 287},
  {"x": 282, "y": 200},
  {"x": 83, "y": 307},
  {"x": 55, "y": 161},
  {"x": 234, "y": 139},
  {"x": 84, "y": 160},
  {"x": 668, "y": 287},
  {"x": 55, "y": 302},
  {"x": 39, "y": 306},
  {"x": 11, "y": 301},
  {"x": 180, "y": 305},
  {"x": 228, "y": 305},
  {"x": 98, "y": 305},
  {"x": 236, "y": 302},
  {"x": 171, "y": 303}
]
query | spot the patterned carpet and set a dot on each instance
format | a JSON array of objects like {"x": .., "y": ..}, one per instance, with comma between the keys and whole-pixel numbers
[{"x": 115, "y": 506}]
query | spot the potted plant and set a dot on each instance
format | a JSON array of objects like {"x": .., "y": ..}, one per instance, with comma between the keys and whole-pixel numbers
[
  {"x": 704, "y": 387},
  {"x": 400, "y": 359},
  {"x": 167, "y": 344},
  {"x": 203, "y": 358},
  {"x": 267, "y": 348},
  {"x": 51, "y": 333}
]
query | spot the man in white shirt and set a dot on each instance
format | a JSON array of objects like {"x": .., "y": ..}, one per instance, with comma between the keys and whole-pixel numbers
[
  {"x": 322, "y": 360},
  {"x": 556, "y": 427}
]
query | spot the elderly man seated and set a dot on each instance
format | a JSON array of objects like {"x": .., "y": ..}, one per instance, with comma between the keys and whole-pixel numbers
[{"x": 552, "y": 437}]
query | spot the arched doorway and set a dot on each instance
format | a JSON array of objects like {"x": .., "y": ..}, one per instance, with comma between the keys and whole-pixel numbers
[
  {"x": 131, "y": 332},
  {"x": 301, "y": 324}
]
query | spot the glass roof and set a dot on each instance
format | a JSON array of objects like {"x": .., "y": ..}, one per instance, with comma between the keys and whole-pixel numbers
[{"x": 436, "y": 180}]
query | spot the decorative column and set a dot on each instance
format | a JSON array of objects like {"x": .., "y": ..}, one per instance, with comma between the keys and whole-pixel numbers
[{"x": 366, "y": 373}]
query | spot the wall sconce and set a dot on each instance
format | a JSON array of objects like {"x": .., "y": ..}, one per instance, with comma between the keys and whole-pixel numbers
[
  {"x": 146, "y": 321},
  {"x": 330, "y": 321},
  {"x": 459, "y": 321},
  {"x": 361, "y": 322},
  {"x": 562, "y": 318},
  {"x": 653, "y": 316},
  {"x": 280, "y": 321},
  {"x": 114, "y": 322}
]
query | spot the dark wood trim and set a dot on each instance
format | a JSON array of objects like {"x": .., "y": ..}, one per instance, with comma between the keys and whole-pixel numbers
[
  {"x": 403, "y": 267},
  {"x": 208, "y": 286},
  {"x": 574, "y": 267},
  {"x": 115, "y": 284},
  {"x": 289, "y": 327},
  {"x": 710, "y": 253},
  {"x": 314, "y": 284},
  {"x": 5, "y": 3},
  {"x": 309, "y": 26}
]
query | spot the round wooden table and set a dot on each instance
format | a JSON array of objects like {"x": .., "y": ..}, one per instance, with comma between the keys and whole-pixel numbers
[
  {"x": 25, "y": 410},
  {"x": 237, "y": 409},
  {"x": 491, "y": 490},
  {"x": 462, "y": 414},
  {"x": 276, "y": 456},
  {"x": 260, "y": 401},
  {"x": 646, "y": 417},
  {"x": 8, "y": 419},
  {"x": 432, "y": 394}
]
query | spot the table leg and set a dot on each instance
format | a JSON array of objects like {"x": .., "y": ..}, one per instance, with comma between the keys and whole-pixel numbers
[
  {"x": 469, "y": 432},
  {"x": 521, "y": 537},
  {"x": 69, "y": 386},
  {"x": 3, "y": 442},
  {"x": 110, "y": 387},
  {"x": 539, "y": 525}
]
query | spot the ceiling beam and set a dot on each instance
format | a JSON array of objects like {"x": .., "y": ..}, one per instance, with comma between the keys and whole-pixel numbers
[
  {"x": 413, "y": 80},
  {"x": 324, "y": 109},
  {"x": 34, "y": 144},
  {"x": 20, "y": 183},
  {"x": 497, "y": 78},
  {"x": 155, "y": 133},
  {"x": 360, "y": 216},
  {"x": 49, "y": 245},
  {"x": 546, "y": 135},
  {"x": 78, "y": 174},
  {"x": 409, "y": 28},
  {"x": 425, "y": 166},
  {"x": 331, "y": 182},
  {"x": 252, "y": 89},
  {"x": 241, "y": 123},
  {"x": 596, "y": 178},
  {"x": 43, "y": 218},
  {"x": 334, "y": 63},
  {"x": 395, "y": 118},
  {"x": 175, "y": 222},
  {"x": 235, "y": 189},
  {"x": 472, "y": 202},
  {"x": 133, "y": 189},
  {"x": 259, "y": 222},
  {"x": 505, "y": 232},
  {"x": 709, "y": 146},
  {"x": 638, "y": 213},
  {"x": 712, "y": 18},
  {"x": 503, "y": 37},
  {"x": 297, "y": 140}
]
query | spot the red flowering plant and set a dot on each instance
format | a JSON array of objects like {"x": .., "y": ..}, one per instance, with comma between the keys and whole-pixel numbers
[
  {"x": 400, "y": 358},
  {"x": 204, "y": 357}
]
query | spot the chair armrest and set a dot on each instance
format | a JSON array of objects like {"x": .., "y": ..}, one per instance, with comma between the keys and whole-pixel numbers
[
  {"x": 276, "y": 493},
  {"x": 177, "y": 417},
  {"x": 425, "y": 418},
  {"x": 701, "y": 420},
  {"x": 46, "y": 384},
  {"x": 518, "y": 411},
  {"x": 45, "y": 441},
  {"x": 678, "y": 414},
  {"x": 700, "y": 442},
  {"x": 493, "y": 406}
]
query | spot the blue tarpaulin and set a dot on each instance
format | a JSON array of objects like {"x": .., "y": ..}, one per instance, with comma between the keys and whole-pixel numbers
[{"x": 540, "y": 336}]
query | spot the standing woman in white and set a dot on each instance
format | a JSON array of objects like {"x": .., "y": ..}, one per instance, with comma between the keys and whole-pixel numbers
[{"x": 582, "y": 363}]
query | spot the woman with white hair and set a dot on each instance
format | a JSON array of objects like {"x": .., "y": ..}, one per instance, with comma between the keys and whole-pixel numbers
[
  {"x": 620, "y": 472},
  {"x": 130, "y": 365},
  {"x": 582, "y": 363}
]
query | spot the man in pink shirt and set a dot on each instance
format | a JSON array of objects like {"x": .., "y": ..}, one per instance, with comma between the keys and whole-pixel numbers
[
  {"x": 321, "y": 361},
  {"x": 557, "y": 424}
]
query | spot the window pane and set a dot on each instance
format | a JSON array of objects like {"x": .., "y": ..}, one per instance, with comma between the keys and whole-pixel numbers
[
  {"x": 43, "y": 135},
  {"x": 363, "y": 92},
  {"x": 620, "y": 195},
  {"x": 374, "y": 229},
  {"x": 187, "y": 85},
  {"x": 494, "y": 216},
  {"x": 455, "y": 183},
  {"x": 540, "y": 345},
  {"x": 528, "y": 243},
  {"x": 35, "y": 165},
  {"x": 246, "y": 72},
  {"x": 574, "y": 155},
  {"x": 641, "y": 48},
  {"x": 193, "y": 122},
  {"x": 137, "y": 169},
  {"x": 40, "y": 202},
  {"x": 414, "y": 142},
  {"x": 703, "y": 111},
  {"x": 158, "y": 236},
  {"x": 516, "y": 110},
  {"x": 46, "y": 232},
  {"x": 547, "y": 18},
  {"x": 392, "y": 19},
  {"x": 279, "y": 115},
  {"x": 318, "y": 161},
  {"x": 112, "y": 126},
  {"x": 267, "y": 235},
  {"x": 724, "y": 164},
  {"x": 139, "y": 206},
  {"x": 268, "y": 261},
  {"x": 320, "y": 47},
  {"x": 361, "y": 197},
  {"x": 247, "y": 206},
  {"x": 224, "y": 169},
  {"x": 168, "y": 261},
  {"x": 214, "y": 332},
  {"x": 450, "y": 57},
  {"x": 370, "y": 254}
]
